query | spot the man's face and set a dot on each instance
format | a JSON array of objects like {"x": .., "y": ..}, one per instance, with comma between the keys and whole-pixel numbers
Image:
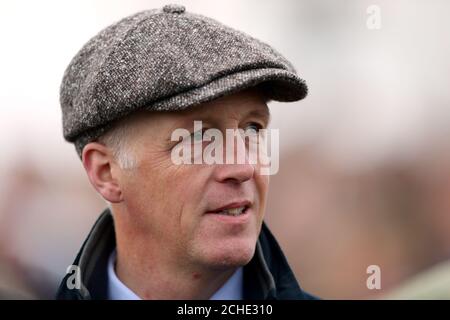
[{"x": 176, "y": 205}]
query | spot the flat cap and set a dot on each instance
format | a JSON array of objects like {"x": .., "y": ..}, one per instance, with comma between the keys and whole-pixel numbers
[{"x": 165, "y": 59}]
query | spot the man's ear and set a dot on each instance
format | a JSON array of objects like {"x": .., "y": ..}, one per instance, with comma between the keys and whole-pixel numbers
[{"x": 98, "y": 161}]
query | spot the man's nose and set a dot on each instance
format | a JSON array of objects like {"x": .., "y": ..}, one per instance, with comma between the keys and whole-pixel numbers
[{"x": 237, "y": 173}]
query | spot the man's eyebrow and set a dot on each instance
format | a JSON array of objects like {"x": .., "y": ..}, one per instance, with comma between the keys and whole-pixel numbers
[{"x": 260, "y": 113}]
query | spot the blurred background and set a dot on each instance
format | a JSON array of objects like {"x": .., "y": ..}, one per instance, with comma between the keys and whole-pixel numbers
[{"x": 364, "y": 173}]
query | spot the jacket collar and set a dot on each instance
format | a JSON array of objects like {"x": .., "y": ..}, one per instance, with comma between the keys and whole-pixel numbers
[{"x": 266, "y": 276}]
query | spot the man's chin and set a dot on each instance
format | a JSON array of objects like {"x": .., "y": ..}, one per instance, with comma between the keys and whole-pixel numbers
[{"x": 231, "y": 255}]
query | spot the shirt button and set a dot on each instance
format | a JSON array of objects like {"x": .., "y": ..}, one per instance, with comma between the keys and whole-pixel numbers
[{"x": 174, "y": 8}]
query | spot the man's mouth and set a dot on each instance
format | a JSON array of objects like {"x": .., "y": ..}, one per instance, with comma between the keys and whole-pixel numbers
[
  {"x": 233, "y": 212},
  {"x": 233, "y": 209}
]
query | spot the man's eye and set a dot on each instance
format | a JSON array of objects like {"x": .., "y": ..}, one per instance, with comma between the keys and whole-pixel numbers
[
  {"x": 197, "y": 135},
  {"x": 253, "y": 128}
]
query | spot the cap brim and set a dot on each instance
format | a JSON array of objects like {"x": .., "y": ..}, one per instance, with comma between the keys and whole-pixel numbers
[{"x": 277, "y": 84}]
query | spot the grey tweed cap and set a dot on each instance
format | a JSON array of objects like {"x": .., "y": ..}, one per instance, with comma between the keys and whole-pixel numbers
[{"x": 165, "y": 60}]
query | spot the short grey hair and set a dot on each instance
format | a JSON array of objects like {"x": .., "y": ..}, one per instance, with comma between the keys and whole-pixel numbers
[{"x": 117, "y": 139}]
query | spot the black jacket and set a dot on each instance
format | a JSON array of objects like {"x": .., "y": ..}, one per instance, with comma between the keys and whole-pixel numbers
[{"x": 266, "y": 276}]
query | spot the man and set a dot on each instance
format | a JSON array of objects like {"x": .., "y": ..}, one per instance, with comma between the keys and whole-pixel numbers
[{"x": 174, "y": 230}]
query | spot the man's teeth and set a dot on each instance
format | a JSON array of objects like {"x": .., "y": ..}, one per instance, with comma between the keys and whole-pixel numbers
[{"x": 233, "y": 212}]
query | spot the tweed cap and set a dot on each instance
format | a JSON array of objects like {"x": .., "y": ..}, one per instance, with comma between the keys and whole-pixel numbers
[{"x": 165, "y": 60}]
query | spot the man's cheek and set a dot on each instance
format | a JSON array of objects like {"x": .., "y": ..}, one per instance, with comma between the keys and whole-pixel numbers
[{"x": 262, "y": 187}]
